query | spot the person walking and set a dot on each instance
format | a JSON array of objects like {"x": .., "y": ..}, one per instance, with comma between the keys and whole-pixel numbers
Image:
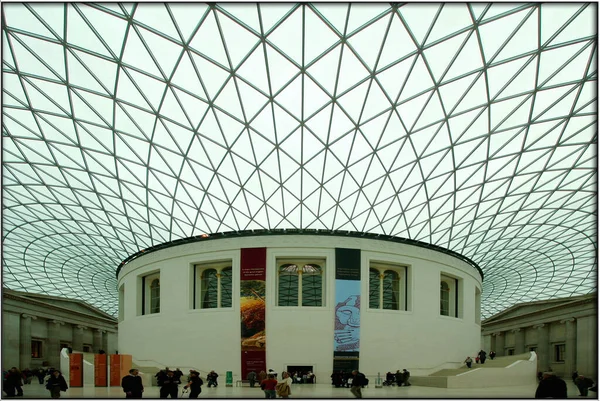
[
  {"x": 212, "y": 379},
  {"x": 583, "y": 384},
  {"x": 56, "y": 383},
  {"x": 268, "y": 386},
  {"x": 551, "y": 387},
  {"x": 262, "y": 375},
  {"x": 284, "y": 387},
  {"x": 168, "y": 385},
  {"x": 482, "y": 355},
  {"x": 132, "y": 384},
  {"x": 195, "y": 384},
  {"x": 406, "y": 376},
  {"x": 251, "y": 378},
  {"x": 468, "y": 362},
  {"x": 358, "y": 380},
  {"x": 492, "y": 355}
]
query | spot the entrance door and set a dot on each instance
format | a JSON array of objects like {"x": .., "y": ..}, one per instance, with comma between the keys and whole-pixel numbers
[{"x": 300, "y": 370}]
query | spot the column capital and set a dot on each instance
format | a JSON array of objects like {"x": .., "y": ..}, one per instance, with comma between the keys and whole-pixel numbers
[
  {"x": 26, "y": 316},
  {"x": 58, "y": 322},
  {"x": 569, "y": 320},
  {"x": 539, "y": 326},
  {"x": 100, "y": 330},
  {"x": 498, "y": 334},
  {"x": 80, "y": 327},
  {"x": 515, "y": 330}
]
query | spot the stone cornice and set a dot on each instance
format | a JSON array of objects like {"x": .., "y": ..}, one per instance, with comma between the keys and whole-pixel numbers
[
  {"x": 524, "y": 316},
  {"x": 69, "y": 316}
]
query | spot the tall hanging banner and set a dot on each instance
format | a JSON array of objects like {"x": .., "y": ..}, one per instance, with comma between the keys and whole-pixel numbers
[
  {"x": 346, "y": 342},
  {"x": 115, "y": 369},
  {"x": 253, "y": 270}
]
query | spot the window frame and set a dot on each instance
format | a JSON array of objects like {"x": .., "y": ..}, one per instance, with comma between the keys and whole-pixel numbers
[
  {"x": 121, "y": 314},
  {"x": 456, "y": 295},
  {"x": 560, "y": 351},
  {"x": 145, "y": 282},
  {"x": 40, "y": 348},
  {"x": 320, "y": 261},
  {"x": 382, "y": 267},
  {"x": 198, "y": 269}
]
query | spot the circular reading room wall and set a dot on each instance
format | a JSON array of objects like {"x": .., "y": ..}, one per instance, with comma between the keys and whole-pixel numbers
[{"x": 277, "y": 299}]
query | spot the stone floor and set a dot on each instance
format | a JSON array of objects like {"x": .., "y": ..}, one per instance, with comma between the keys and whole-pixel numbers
[{"x": 312, "y": 391}]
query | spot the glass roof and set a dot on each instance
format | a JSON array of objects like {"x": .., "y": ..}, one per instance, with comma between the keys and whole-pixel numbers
[{"x": 468, "y": 126}]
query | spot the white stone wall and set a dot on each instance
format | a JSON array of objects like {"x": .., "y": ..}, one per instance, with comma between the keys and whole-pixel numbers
[{"x": 210, "y": 339}]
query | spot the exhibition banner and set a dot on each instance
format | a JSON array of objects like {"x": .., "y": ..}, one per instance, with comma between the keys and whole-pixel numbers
[
  {"x": 100, "y": 370},
  {"x": 253, "y": 270},
  {"x": 75, "y": 370},
  {"x": 115, "y": 370},
  {"x": 346, "y": 341}
]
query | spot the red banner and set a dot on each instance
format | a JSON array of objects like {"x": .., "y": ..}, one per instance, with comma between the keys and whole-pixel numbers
[
  {"x": 126, "y": 362},
  {"x": 100, "y": 370},
  {"x": 253, "y": 270},
  {"x": 75, "y": 370},
  {"x": 115, "y": 370}
]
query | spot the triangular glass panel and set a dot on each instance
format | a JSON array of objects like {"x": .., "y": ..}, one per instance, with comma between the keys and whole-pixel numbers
[
  {"x": 207, "y": 41},
  {"x": 419, "y": 18},
  {"x": 369, "y": 41},
  {"x": 186, "y": 16},
  {"x": 324, "y": 71}
]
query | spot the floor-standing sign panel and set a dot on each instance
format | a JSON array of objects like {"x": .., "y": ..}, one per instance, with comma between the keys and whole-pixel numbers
[
  {"x": 346, "y": 342},
  {"x": 253, "y": 268},
  {"x": 100, "y": 370},
  {"x": 115, "y": 370},
  {"x": 75, "y": 370}
]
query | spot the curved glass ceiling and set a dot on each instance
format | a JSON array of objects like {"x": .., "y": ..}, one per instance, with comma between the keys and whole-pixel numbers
[{"x": 468, "y": 126}]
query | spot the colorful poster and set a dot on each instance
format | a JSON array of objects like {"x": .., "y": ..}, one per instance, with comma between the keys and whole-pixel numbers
[
  {"x": 115, "y": 370},
  {"x": 253, "y": 269},
  {"x": 100, "y": 370},
  {"x": 75, "y": 370},
  {"x": 346, "y": 339}
]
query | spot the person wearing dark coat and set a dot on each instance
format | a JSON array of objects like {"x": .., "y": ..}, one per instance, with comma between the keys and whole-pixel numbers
[
  {"x": 168, "y": 385},
  {"x": 482, "y": 355},
  {"x": 551, "y": 387},
  {"x": 13, "y": 382},
  {"x": 405, "y": 377},
  {"x": 251, "y": 378},
  {"x": 212, "y": 378},
  {"x": 195, "y": 384},
  {"x": 399, "y": 378},
  {"x": 132, "y": 384},
  {"x": 492, "y": 355},
  {"x": 40, "y": 373},
  {"x": 358, "y": 381},
  {"x": 583, "y": 384},
  {"x": 56, "y": 383}
]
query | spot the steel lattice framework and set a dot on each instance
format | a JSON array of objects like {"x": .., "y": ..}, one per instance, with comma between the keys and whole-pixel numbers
[{"x": 468, "y": 126}]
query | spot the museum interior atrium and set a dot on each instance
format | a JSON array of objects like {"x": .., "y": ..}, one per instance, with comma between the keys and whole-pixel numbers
[{"x": 468, "y": 126}]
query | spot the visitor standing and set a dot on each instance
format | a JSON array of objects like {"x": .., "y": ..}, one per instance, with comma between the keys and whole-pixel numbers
[
  {"x": 358, "y": 380},
  {"x": 195, "y": 384},
  {"x": 551, "y": 387},
  {"x": 268, "y": 386},
  {"x": 251, "y": 378},
  {"x": 56, "y": 384},
  {"x": 132, "y": 384}
]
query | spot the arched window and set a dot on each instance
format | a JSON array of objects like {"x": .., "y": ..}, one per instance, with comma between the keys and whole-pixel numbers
[
  {"x": 388, "y": 286},
  {"x": 391, "y": 289},
  {"x": 226, "y": 277},
  {"x": 155, "y": 296},
  {"x": 444, "y": 299},
  {"x": 212, "y": 287},
  {"x": 300, "y": 284},
  {"x": 209, "y": 290},
  {"x": 374, "y": 288}
]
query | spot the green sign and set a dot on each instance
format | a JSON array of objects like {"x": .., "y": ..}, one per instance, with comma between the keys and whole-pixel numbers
[{"x": 229, "y": 379}]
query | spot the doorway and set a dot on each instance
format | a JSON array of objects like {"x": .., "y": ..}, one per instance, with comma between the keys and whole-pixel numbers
[{"x": 301, "y": 372}]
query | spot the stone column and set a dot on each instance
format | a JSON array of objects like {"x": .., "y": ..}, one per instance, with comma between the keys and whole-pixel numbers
[
  {"x": 219, "y": 289},
  {"x": 53, "y": 343},
  {"x": 77, "y": 343},
  {"x": 98, "y": 340},
  {"x": 543, "y": 345},
  {"x": 570, "y": 346},
  {"x": 25, "y": 341},
  {"x": 105, "y": 342},
  {"x": 499, "y": 343},
  {"x": 492, "y": 343},
  {"x": 519, "y": 341}
]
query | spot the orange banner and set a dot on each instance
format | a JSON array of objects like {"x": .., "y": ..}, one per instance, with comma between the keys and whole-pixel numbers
[
  {"x": 100, "y": 370},
  {"x": 115, "y": 370},
  {"x": 75, "y": 370},
  {"x": 126, "y": 361}
]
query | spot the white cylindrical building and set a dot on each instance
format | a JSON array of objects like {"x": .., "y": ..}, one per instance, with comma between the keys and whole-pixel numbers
[{"x": 296, "y": 300}]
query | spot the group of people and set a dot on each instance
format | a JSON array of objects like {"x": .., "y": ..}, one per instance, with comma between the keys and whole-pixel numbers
[
  {"x": 480, "y": 358},
  {"x": 271, "y": 387},
  {"x": 169, "y": 380},
  {"x": 397, "y": 379},
  {"x": 13, "y": 379}
]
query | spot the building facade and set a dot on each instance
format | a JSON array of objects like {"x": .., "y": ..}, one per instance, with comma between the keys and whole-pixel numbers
[
  {"x": 563, "y": 332},
  {"x": 300, "y": 302},
  {"x": 36, "y": 327}
]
